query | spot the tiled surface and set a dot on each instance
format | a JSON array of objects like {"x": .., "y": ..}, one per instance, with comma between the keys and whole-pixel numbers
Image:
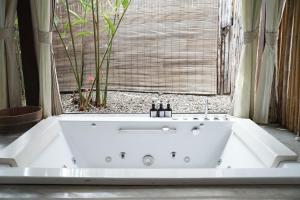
[
  {"x": 157, "y": 192},
  {"x": 285, "y": 137}
]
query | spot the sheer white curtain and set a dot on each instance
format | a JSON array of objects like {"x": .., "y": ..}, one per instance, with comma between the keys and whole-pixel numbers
[
  {"x": 244, "y": 87},
  {"x": 49, "y": 93},
  {"x": 274, "y": 11},
  {"x": 10, "y": 83}
]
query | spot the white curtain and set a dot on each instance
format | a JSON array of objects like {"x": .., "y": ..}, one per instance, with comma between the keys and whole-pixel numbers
[
  {"x": 274, "y": 11},
  {"x": 244, "y": 87},
  {"x": 10, "y": 83},
  {"x": 49, "y": 93}
]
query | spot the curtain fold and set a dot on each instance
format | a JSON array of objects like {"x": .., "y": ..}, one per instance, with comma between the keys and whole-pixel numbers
[
  {"x": 49, "y": 92},
  {"x": 262, "y": 97},
  {"x": 56, "y": 98},
  {"x": 244, "y": 87},
  {"x": 288, "y": 72},
  {"x": 10, "y": 83}
]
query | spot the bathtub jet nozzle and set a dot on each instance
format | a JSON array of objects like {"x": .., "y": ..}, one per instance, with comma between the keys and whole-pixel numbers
[{"x": 148, "y": 160}]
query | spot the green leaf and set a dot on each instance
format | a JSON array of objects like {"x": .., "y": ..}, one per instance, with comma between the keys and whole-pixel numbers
[
  {"x": 86, "y": 4},
  {"x": 117, "y": 5},
  {"x": 110, "y": 5},
  {"x": 83, "y": 33},
  {"x": 74, "y": 13},
  {"x": 110, "y": 24},
  {"x": 56, "y": 20},
  {"x": 63, "y": 34},
  {"x": 66, "y": 26},
  {"x": 79, "y": 21},
  {"x": 125, "y": 4}
]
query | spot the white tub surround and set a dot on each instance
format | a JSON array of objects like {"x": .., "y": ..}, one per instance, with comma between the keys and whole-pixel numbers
[{"x": 112, "y": 149}]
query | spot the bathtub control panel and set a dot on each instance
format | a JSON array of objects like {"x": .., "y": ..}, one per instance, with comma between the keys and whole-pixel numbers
[{"x": 210, "y": 117}]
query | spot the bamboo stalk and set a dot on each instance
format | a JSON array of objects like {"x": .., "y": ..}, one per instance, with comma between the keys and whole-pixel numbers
[
  {"x": 68, "y": 56},
  {"x": 104, "y": 101},
  {"x": 74, "y": 53},
  {"x": 110, "y": 43},
  {"x": 72, "y": 36},
  {"x": 98, "y": 71},
  {"x": 82, "y": 49},
  {"x": 97, "y": 54},
  {"x": 66, "y": 51}
]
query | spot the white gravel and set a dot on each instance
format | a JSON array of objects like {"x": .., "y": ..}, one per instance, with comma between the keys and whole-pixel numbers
[{"x": 133, "y": 102}]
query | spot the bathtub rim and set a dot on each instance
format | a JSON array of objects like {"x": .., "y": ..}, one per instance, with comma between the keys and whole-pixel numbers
[
  {"x": 185, "y": 117},
  {"x": 118, "y": 176}
]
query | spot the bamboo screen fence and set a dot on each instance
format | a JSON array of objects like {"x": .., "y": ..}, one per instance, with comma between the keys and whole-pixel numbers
[
  {"x": 288, "y": 73},
  {"x": 161, "y": 46}
]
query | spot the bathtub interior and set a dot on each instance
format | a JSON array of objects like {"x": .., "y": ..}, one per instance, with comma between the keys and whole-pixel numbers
[
  {"x": 95, "y": 142},
  {"x": 139, "y": 144}
]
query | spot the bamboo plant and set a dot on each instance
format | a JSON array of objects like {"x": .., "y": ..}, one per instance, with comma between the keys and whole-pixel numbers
[
  {"x": 118, "y": 8},
  {"x": 68, "y": 27},
  {"x": 112, "y": 18}
]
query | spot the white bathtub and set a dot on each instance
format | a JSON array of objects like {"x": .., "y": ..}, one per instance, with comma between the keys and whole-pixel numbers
[{"x": 109, "y": 149}]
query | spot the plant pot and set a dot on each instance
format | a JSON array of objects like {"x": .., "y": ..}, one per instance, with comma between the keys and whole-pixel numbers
[{"x": 19, "y": 119}]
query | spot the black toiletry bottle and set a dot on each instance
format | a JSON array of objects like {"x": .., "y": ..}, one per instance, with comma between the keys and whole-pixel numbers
[
  {"x": 153, "y": 111},
  {"x": 168, "y": 110},
  {"x": 161, "y": 110}
]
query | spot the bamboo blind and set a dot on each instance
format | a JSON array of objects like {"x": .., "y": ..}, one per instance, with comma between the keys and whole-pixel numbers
[
  {"x": 161, "y": 46},
  {"x": 288, "y": 73}
]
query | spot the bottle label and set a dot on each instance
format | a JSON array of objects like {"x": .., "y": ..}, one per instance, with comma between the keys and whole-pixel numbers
[
  {"x": 161, "y": 113},
  {"x": 168, "y": 114},
  {"x": 153, "y": 114}
]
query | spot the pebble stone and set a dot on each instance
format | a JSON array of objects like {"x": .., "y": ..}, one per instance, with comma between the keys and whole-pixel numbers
[{"x": 133, "y": 102}]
